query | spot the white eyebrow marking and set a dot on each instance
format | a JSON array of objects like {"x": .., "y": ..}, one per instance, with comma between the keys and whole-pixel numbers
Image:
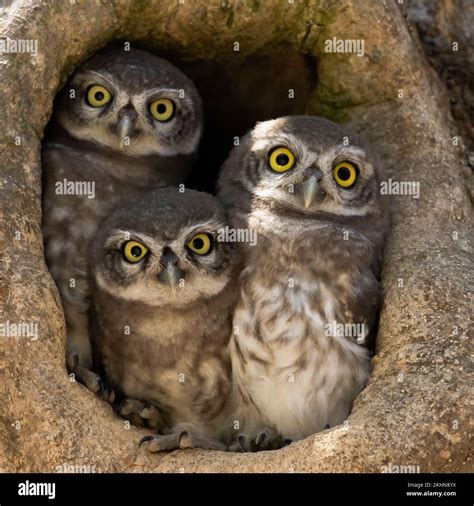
[{"x": 354, "y": 150}]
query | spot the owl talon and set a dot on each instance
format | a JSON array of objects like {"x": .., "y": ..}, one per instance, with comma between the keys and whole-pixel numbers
[
  {"x": 160, "y": 443},
  {"x": 90, "y": 379},
  {"x": 243, "y": 443},
  {"x": 130, "y": 406},
  {"x": 84, "y": 375},
  {"x": 266, "y": 439},
  {"x": 141, "y": 414},
  {"x": 181, "y": 438},
  {"x": 101, "y": 387},
  {"x": 144, "y": 440},
  {"x": 153, "y": 417},
  {"x": 72, "y": 360},
  {"x": 287, "y": 442},
  {"x": 189, "y": 439},
  {"x": 130, "y": 409},
  {"x": 261, "y": 438},
  {"x": 240, "y": 445},
  {"x": 109, "y": 396}
]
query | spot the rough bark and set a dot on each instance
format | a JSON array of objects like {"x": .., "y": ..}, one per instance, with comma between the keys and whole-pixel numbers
[
  {"x": 445, "y": 28},
  {"x": 415, "y": 409}
]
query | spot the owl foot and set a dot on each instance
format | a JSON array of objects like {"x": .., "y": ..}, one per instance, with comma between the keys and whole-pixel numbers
[
  {"x": 181, "y": 438},
  {"x": 85, "y": 376},
  {"x": 266, "y": 439},
  {"x": 142, "y": 414}
]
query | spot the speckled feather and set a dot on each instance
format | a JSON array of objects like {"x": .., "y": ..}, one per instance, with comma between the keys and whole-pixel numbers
[
  {"x": 81, "y": 146},
  {"x": 310, "y": 267},
  {"x": 175, "y": 353}
]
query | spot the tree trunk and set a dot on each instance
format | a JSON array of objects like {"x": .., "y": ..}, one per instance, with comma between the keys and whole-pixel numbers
[{"x": 415, "y": 410}]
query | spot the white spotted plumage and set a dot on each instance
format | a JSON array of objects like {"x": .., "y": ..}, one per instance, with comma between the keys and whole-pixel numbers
[
  {"x": 118, "y": 149},
  {"x": 315, "y": 266}
]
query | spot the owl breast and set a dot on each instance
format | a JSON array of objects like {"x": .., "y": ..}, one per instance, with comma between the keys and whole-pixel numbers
[
  {"x": 300, "y": 378},
  {"x": 158, "y": 356}
]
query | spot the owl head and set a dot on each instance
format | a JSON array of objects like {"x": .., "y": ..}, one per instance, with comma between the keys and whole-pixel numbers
[
  {"x": 307, "y": 167},
  {"x": 164, "y": 249},
  {"x": 132, "y": 102}
]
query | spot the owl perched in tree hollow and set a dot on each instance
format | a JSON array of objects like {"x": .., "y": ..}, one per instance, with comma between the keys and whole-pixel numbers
[
  {"x": 305, "y": 319},
  {"x": 125, "y": 123},
  {"x": 162, "y": 294}
]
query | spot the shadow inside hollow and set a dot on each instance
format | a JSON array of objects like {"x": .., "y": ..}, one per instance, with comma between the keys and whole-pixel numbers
[{"x": 275, "y": 81}]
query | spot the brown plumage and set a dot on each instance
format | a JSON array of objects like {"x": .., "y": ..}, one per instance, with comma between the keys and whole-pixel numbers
[
  {"x": 309, "y": 289},
  {"x": 161, "y": 324},
  {"x": 104, "y": 147}
]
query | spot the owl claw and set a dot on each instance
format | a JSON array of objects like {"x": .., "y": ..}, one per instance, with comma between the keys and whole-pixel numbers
[
  {"x": 261, "y": 438},
  {"x": 153, "y": 417},
  {"x": 130, "y": 406},
  {"x": 90, "y": 379},
  {"x": 101, "y": 388},
  {"x": 84, "y": 375},
  {"x": 144, "y": 440},
  {"x": 72, "y": 361},
  {"x": 243, "y": 443},
  {"x": 181, "y": 438},
  {"x": 266, "y": 439},
  {"x": 109, "y": 396},
  {"x": 141, "y": 414}
]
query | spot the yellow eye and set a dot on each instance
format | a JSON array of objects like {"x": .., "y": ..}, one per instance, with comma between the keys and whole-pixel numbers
[
  {"x": 162, "y": 109},
  {"x": 345, "y": 174},
  {"x": 200, "y": 244},
  {"x": 98, "y": 96},
  {"x": 133, "y": 251},
  {"x": 281, "y": 159}
]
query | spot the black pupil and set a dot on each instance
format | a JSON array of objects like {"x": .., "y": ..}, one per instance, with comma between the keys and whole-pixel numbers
[
  {"x": 136, "y": 251},
  {"x": 198, "y": 243},
  {"x": 99, "y": 95},
  {"x": 282, "y": 160},
  {"x": 161, "y": 108},
  {"x": 344, "y": 173}
]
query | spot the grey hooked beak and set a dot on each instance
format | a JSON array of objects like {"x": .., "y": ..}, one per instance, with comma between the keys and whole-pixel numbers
[
  {"x": 170, "y": 275},
  {"x": 308, "y": 190},
  {"x": 124, "y": 130}
]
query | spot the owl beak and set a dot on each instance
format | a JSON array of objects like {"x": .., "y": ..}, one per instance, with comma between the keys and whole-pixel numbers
[
  {"x": 308, "y": 190},
  {"x": 171, "y": 273},
  {"x": 124, "y": 130}
]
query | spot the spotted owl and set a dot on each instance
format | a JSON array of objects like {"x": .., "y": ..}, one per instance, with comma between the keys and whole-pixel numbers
[
  {"x": 163, "y": 289},
  {"x": 126, "y": 122},
  {"x": 309, "y": 289}
]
